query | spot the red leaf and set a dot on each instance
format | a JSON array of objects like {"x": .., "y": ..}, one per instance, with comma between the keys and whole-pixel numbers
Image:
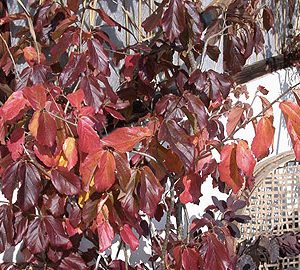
[
  {"x": 192, "y": 192},
  {"x": 45, "y": 155},
  {"x": 88, "y": 168},
  {"x": 76, "y": 98},
  {"x": 291, "y": 112},
  {"x": 124, "y": 139},
  {"x": 150, "y": 191},
  {"x": 215, "y": 253},
  {"x": 130, "y": 65},
  {"x": 105, "y": 175},
  {"x": 89, "y": 140},
  {"x": 65, "y": 182},
  {"x": 191, "y": 259},
  {"x": 30, "y": 189},
  {"x": 98, "y": 56},
  {"x": 173, "y": 20},
  {"x": 46, "y": 131},
  {"x": 234, "y": 118},
  {"x": 36, "y": 96},
  {"x": 228, "y": 168},
  {"x": 72, "y": 71},
  {"x": 263, "y": 138},
  {"x": 16, "y": 143},
  {"x": 129, "y": 237},
  {"x": 245, "y": 159},
  {"x": 36, "y": 238},
  {"x": 294, "y": 138},
  {"x": 14, "y": 105},
  {"x": 106, "y": 235},
  {"x": 55, "y": 232}
]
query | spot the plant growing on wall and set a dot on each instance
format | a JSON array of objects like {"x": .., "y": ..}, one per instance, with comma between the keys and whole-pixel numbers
[{"x": 81, "y": 160}]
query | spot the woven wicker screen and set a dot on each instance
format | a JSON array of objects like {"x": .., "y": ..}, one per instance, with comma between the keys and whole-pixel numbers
[{"x": 275, "y": 203}]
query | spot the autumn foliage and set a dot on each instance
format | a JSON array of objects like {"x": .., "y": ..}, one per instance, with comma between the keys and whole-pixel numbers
[{"x": 81, "y": 161}]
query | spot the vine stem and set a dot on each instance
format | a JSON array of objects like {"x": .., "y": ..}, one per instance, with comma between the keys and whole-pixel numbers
[
  {"x": 264, "y": 110},
  {"x": 250, "y": 120},
  {"x": 167, "y": 227}
]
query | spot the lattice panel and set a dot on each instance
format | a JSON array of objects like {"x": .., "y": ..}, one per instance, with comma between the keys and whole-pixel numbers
[{"x": 274, "y": 208}]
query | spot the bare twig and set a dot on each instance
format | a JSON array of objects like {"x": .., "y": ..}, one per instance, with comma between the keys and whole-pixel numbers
[
  {"x": 206, "y": 44},
  {"x": 61, "y": 118},
  {"x": 31, "y": 29},
  {"x": 11, "y": 57},
  {"x": 126, "y": 256}
]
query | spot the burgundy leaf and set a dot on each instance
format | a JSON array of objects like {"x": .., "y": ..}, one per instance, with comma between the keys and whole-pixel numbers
[
  {"x": 72, "y": 71},
  {"x": 10, "y": 179},
  {"x": 195, "y": 106},
  {"x": 93, "y": 93},
  {"x": 215, "y": 253},
  {"x": 154, "y": 19},
  {"x": 55, "y": 233},
  {"x": 36, "y": 238},
  {"x": 150, "y": 192},
  {"x": 98, "y": 56},
  {"x": 170, "y": 131},
  {"x": 73, "y": 261},
  {"x": 20, "y": 227},
  {"x": 65, "y": 182},
  {"x": 268, "y": 18},
  {"x": 234, "y": 59},
  {"x": 55, "y": 204},
  {"x": 46, "y": 131},
  {"x": 6, "y": 227},
  {"x": 30, "y": 189},
  {"x": 173, "y": 20}
]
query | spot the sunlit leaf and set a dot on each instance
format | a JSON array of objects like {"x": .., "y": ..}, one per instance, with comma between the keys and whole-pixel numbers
[
  {"x": 36, "y": 95},
  {"x": 263, "y": 139},
  {"x": 129, "y": 237},
  {"x": 105, "y": 175},
  {"x": 124, "y": 139},
  {"x": 229, "y": 171}
]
